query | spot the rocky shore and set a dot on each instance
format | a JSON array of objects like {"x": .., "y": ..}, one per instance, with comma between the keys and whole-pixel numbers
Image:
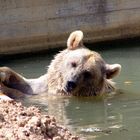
[{"x": 27, "y": 123}]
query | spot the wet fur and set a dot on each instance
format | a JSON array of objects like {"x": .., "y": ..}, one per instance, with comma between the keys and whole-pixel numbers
[{"x": 53, "y": 81}]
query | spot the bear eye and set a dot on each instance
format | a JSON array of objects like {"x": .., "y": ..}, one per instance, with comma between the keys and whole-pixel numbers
[
  {"x": 87, "y": 74},
  {"x": 73, "y": 64}
]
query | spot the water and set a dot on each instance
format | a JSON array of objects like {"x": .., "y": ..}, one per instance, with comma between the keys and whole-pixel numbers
[{"x": 115, "y": 117}]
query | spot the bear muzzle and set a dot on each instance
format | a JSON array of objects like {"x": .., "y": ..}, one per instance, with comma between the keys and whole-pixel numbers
[{"x": 70, "y": 86}]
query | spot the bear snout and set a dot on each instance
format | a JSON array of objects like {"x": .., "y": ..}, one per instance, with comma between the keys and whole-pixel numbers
[{"x": 70, "y": 86}]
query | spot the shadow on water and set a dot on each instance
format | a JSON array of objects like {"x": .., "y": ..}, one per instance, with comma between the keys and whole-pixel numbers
[{"x": 112, "y": 117}]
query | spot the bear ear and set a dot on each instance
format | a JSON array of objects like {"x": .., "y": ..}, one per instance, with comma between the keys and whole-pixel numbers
[
  {"x": 112, "y": 70},
  {"x": 75, "y": 40}
]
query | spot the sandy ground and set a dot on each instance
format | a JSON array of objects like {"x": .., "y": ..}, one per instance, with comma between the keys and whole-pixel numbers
[{"x": 27, "y": 123}]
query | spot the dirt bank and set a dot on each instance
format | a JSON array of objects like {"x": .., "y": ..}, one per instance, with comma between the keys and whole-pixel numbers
[{"x": 27, "y": 123}]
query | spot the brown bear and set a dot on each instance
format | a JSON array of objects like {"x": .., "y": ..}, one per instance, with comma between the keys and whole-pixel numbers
[{"x": 74, "y": 71}]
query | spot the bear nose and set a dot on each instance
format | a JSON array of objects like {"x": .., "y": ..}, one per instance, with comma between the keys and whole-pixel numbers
[{"x": 71, "y": 85}]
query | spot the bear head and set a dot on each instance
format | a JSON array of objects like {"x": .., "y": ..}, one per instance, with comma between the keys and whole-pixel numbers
[{"x": 79, "y": 71}]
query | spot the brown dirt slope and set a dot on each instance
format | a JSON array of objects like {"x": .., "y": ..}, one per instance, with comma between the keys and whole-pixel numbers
[{"x": 27, "y": 123}]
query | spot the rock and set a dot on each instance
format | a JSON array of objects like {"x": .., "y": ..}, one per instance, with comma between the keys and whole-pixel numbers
[{"x": 19, "y": 122}]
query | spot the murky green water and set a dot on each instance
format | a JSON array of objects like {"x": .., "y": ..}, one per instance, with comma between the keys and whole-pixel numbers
[{"x": 112, "y": 118}]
